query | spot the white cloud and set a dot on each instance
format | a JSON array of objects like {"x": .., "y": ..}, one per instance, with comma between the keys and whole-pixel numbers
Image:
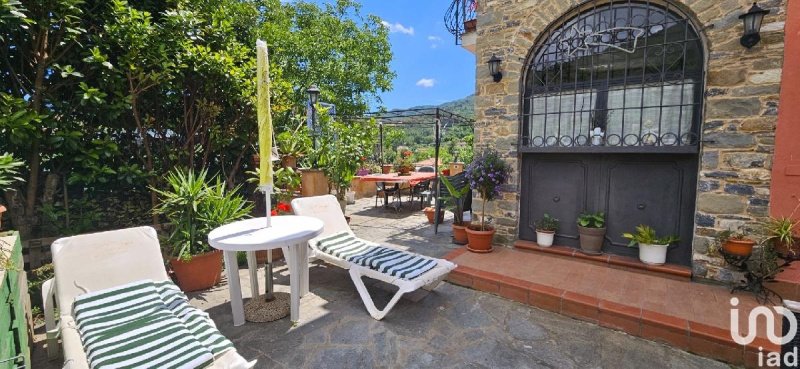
[
  {"x": 435, "y": 41},
  {"x": 426, "y": 82},
  {"x": 397, "y": 27}
]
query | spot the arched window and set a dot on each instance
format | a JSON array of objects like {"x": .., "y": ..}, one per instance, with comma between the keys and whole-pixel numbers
[{"x": 629, "y": 73}]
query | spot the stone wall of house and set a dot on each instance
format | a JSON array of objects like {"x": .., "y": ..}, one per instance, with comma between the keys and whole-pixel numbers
[{"x": 740, "y": 110}]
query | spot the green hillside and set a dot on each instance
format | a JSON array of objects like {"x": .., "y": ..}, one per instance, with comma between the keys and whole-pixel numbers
[{"x": 417, "y": 132}]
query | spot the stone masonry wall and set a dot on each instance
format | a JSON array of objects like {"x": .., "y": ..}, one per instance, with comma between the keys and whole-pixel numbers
[{"x": 740, "y": 110}]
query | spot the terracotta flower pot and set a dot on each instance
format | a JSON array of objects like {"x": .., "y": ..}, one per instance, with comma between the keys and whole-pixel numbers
[
  {"x": 743, "y": 247},
  {"x": 261, "y": 255},
  {"x": 200, "y": 273},
  {"x": 470, "y": 25},
  {"x": 387, "y": 168},
  {"x": 784, "y": 250},
  {"x": 430, "y": 212},
  {"x": 2, "y": 210},
  {"x": 591, "y": 240},
  {"x": 479, "y": 241},
  {"x": 289, "y": 161},
  {"x": 460, "y": 233}
]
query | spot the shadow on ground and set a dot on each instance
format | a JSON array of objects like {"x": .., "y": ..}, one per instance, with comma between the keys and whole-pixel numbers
[{"x": 451, "y": 327}]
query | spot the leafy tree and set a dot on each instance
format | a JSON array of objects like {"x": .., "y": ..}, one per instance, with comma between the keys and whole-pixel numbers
[{"x": 106, "y": 96}]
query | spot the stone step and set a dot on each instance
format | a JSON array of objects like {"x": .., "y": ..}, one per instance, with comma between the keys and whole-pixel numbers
[{"x": 611, "y": 261}]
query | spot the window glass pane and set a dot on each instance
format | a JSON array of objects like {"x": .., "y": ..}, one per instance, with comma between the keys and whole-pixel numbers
[{"x": 630, "y": 68}]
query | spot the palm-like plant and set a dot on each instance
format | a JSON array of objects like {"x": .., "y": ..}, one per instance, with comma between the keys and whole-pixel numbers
[
  {"x": 194, "y": 207},
  {"x": 8, "y": 171},
  {"x": 456, "y": 197}
]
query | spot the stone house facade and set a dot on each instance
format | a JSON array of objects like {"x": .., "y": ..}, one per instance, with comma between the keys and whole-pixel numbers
[{"x": 736, "y": 110}]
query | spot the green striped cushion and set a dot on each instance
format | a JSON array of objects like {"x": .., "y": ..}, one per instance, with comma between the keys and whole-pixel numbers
[
  {"x": 396, "y": 263},
  {"x": 147, "y": 325}
]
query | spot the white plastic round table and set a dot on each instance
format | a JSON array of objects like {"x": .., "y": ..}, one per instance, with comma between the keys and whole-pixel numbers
[{"x": 289, "y": 232}]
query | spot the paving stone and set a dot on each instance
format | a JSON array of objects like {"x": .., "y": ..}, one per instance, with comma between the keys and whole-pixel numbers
[{"x": 452, "y": 327}]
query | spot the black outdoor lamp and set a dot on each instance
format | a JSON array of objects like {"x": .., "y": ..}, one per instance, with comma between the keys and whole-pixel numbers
[
  {"x": 313, "y": 97},
  {"x": 494, "y": 68},
  {"x": 313, "y": 94},
  {"x": 752, "y": 25}
]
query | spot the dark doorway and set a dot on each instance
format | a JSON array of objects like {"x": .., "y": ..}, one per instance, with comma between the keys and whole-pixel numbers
[{"x": 631, "y": 189}]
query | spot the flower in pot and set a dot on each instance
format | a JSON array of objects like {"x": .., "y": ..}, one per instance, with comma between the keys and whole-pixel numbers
[
  {"x": 456, "y": 198},
  {"x": 403, "y": 165},
  {"x": 194, "y": 206},
  {"x": 735, "y": 243},
  {"x": 592, "y": 231},
  {"x": 652, "y": 249},
  {"x": 486, "y": 175},
  {"x": 546, "y": 230}
]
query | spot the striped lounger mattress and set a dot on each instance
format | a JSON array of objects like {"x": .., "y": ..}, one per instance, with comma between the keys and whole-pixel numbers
[
  {"x": 146, "y": 324},
  {"x": 397, "y": 263}
]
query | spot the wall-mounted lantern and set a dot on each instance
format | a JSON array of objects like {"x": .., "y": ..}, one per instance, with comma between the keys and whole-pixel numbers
[
  {"x": 752, "y": 25},
  {"x": 494, "y": 68}
]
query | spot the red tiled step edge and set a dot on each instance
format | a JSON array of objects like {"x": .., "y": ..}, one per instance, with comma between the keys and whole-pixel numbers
[
  {"x": 695, "y": 337},
  {"x": 787, "y": 282},
  {"x": 617, "y": 261}
]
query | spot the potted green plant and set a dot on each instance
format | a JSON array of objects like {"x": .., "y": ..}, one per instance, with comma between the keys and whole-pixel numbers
[
  {"x": 546, "y": 230},
  {"x": 781, "y": 233},
  {"x": 342, "y": 145},
  {"x": 592, "y": 232},
  {"x": 293, "y": 145},
  {"x": 652, "y": 248},
  {"x": 456, "y": 198},
  {"x": 194, "y": 206},
  {"x": 486, "y": 175},
  {"x": 8, "y": 175},
  {"x": 736, "y": 243}
]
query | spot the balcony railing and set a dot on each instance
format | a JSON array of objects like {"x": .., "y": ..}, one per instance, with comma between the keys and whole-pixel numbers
[{"x": 461, "y": 18}]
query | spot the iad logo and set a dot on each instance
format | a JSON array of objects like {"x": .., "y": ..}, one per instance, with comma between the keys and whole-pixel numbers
[{"x": 774, "y": 359}]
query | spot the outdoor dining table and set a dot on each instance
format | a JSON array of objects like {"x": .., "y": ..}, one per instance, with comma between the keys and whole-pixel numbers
[
  {"x": 412, "y": 179},
  {"x": 289, "y": 232}
]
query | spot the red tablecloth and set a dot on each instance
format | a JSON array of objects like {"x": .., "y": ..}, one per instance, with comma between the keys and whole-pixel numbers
[{"x": 412, "y": 179}]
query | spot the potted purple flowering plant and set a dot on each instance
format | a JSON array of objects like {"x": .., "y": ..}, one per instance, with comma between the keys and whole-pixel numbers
[{"x": 486, "y": 175}]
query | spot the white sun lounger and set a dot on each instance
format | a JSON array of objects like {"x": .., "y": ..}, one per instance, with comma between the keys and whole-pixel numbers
[
  {"x": 360, "y": 253},
  {"x": 96, "y": 262}
]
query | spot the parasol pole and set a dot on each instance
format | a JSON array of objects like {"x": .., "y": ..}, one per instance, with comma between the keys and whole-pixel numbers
[{"x": 265, "y": 146}]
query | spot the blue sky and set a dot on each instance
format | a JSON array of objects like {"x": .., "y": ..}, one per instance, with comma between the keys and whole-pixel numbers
[{"x": 431, "y": 68}]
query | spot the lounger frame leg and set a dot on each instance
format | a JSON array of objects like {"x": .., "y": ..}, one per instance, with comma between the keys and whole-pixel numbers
[
  {"x": 48, "y": 299},
  {"x": 356, "y": 276}
]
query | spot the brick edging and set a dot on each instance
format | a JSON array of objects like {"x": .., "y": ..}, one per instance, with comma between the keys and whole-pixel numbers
[{"x": 695, "y": 337}]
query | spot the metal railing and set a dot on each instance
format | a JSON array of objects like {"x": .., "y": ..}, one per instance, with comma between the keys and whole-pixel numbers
[{"x": 460, "y": 18}]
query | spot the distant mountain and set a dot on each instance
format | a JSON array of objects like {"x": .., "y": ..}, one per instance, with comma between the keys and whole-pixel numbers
[{"x": 464, "y": 107}]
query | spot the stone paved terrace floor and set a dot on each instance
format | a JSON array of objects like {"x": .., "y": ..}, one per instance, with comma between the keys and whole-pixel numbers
[{"x": 452, "y": 327}]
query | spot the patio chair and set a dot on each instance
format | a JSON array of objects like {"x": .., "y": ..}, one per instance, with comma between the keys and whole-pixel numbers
[
  {"x": 338, "y": 245},
  {"x": 385, "y": 192},
  {"x": 97, "y": 263},
  {"x": 422, "y": 191}
]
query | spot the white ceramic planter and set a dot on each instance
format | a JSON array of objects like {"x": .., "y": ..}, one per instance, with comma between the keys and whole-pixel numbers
[
  {"x": 653, "y": 254},
  {"x": 545, "y": 239}
]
